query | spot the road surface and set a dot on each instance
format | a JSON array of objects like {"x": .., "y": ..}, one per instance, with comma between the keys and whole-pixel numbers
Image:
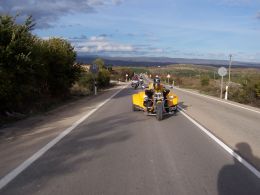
[
  {"x": 232, "y": 122},
  {"x": 118, "y": 151}
]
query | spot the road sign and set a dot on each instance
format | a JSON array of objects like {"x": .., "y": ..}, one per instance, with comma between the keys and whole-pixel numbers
[
  {"x": 94, "y": 68},
  {"x": 222, "y": 71}
]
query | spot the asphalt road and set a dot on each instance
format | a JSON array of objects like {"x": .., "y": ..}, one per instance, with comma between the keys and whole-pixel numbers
[
  {"x": 117, "y": 151},
  {"x": 236, "y": 126}
]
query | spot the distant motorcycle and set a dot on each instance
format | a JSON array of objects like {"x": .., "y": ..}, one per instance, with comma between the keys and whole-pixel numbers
[
  {"x": 135, "y": 84},
  {"x": 141, "y": 81}
]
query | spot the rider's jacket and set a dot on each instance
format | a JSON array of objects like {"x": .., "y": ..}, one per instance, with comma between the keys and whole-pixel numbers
[{"x": 159, "y": 88}]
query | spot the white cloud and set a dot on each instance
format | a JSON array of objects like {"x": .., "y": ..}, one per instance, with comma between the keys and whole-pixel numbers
[
  {"x": 100, "y": 44},
  {"x": 94, "y": 39},
  {"x": 158, "y": 50},
  {"x": 105, "y": 2},
  {"x": 46, "y": 12},
  {"x": 103, "y": 45}
]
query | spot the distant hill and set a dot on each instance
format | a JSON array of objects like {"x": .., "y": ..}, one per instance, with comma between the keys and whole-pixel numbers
[{"x": 162, "y": 61}]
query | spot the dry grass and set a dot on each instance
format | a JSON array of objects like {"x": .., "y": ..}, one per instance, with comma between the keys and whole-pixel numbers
[
  {"x": 244, "y": 81},
  {"x": 77, "y": 90}
]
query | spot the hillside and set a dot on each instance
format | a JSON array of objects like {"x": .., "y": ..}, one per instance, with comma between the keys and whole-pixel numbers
[{"x": 161, "y": 61}]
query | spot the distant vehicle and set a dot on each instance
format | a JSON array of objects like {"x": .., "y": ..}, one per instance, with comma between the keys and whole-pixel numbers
[
  {"x": 135, "y": 84},
  {"x": 141, "y": 81},
  {"x": 135, "y": 77}
]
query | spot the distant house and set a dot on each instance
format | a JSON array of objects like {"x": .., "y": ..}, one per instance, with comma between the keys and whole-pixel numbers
[{"x": 86, "y": 67}]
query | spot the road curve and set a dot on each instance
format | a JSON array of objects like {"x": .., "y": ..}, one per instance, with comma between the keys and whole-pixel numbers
[{"x": 117, "y": 151}]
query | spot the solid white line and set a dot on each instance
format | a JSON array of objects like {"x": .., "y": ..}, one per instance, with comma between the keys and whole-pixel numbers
[
  {"x": 219, "y": 100},
  {"x": 15, "y": 172},
  {"x": 222, "y": 144}
]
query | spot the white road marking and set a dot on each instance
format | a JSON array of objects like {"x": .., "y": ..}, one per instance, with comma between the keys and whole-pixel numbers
[
  {"x": 219, "y": 100},
  {"x": 15, "y": 172},
  {"x": 212, "y": 136},
  {"x": 222, "y": 144}
]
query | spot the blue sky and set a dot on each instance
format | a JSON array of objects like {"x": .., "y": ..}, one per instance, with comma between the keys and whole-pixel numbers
[{"x": 208, "y": 29}]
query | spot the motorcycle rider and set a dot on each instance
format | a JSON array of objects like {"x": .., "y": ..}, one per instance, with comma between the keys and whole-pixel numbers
[
  {"x": 156, "y": 87},
  {"x": 135, "y": 81}
]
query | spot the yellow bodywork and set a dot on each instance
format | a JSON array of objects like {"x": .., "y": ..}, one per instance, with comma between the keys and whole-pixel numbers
[{"x": 138, "y": 99}]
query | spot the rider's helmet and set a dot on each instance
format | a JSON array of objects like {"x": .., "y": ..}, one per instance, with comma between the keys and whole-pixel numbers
[
  {"x": 135, "y": 77},
  {"x": 156, "y": 83}
]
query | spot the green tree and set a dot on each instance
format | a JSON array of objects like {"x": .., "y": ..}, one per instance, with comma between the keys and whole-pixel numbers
[
  {"x": 86, "y": 81},
  {"x": 32, "y": 68},
  {"x": 59, "y": 58},
  {"x": 124, "y": 71},
  {"x": 16, "y": 63},
  {"x": 103, "y": 78},
  {"x": 100, "y": 63}
]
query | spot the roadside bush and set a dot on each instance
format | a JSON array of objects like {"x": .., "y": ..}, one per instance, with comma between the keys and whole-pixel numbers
[
  {"x": 84, "y": 85},
  {"x": 86, "y": 80},
  {"x": 103, "y": 78},
  {"x": 204, "y": 81},
  {"x": 247, "y": 93},
  {"x": 32, "y": 69},
  {"x": 59, "y": 57},
  {"x": 257, "y": 90},
  {"x": 115, "y": 76},
  {"x": 121, "y": 73},
  {"x": 178, "y": 81}
]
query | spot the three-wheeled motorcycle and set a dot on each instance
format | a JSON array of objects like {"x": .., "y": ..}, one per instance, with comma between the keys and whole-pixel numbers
[{"x": 153, "y": 102}]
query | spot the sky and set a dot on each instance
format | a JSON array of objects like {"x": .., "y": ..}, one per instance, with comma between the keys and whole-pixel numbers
[{"x": 201, "y": 29}]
